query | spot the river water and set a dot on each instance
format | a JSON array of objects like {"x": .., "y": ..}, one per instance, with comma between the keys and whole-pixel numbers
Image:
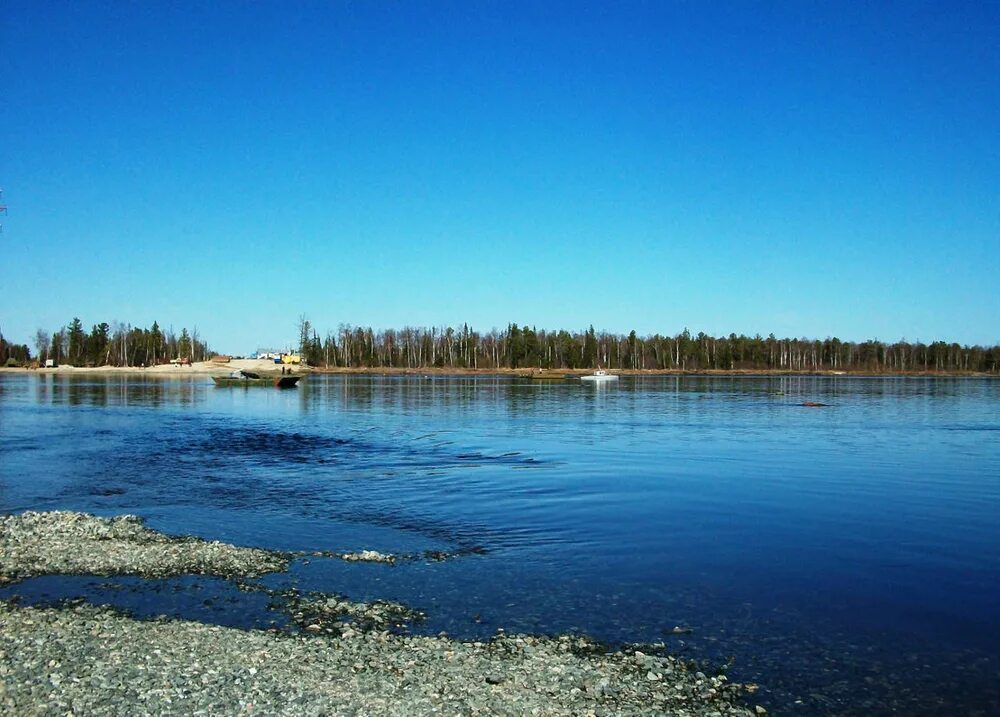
[{"x": 846, "y": 557}]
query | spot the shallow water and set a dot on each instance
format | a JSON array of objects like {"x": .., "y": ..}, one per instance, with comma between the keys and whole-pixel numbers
[{"x": 845, "y": 557}]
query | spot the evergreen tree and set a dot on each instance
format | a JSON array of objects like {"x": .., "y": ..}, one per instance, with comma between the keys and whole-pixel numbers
[
  {"x": 57, "y": 351},
  {"x": 76, "y": 354},
  {"x": 184, "y": 345},
  {"x": 590, "y": 348},
  {"x": 97, "y": 344},
  {"x": 156, "y": 346}
]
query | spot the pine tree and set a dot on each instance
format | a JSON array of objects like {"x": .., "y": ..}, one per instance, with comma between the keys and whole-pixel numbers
[{"x": 184, "y": 345}]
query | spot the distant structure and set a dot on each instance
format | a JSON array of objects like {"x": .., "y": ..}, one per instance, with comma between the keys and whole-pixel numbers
[
  {"x": 3, "y": 209},
  {"x": 283, "y": 357}
]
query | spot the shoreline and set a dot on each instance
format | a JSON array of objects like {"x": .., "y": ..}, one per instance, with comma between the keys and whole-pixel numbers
[
  {"x": 209, "y": 368},
  {"x": 88, "y": 659}
]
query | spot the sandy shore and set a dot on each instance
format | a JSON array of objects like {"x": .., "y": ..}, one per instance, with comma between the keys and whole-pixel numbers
[{"x": 201, "y": 368}]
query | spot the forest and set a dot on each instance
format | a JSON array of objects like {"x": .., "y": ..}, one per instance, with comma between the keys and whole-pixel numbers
[
  {"x": 114, "y": 344},
  {"x": 513, "y": 347},
  {"x": 527, "y": 347}
]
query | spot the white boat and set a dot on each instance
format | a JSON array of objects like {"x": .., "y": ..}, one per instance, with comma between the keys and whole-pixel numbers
[{"x": 599, "y": 376}]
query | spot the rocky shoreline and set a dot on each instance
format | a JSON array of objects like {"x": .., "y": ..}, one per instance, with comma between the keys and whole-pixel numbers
[
  {"x": 68, "y": 543},
  {"x": 347, "y": 659}
]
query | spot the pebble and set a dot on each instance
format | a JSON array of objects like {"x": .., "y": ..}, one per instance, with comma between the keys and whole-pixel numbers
[
  {"x": 80, "y": 659},
  {"x": 64, "y": 542}
]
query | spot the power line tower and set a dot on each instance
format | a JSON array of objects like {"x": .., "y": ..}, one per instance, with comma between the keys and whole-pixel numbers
[{"x": 3, "y": 209}]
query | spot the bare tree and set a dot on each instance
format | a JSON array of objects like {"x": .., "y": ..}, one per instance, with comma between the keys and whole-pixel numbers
[{"x": 42, "y": 340}]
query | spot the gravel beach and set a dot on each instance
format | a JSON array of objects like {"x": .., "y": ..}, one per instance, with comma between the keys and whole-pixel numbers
[
  {"x": 67, "y": 543},
  {"x": 84, "y": 660}
]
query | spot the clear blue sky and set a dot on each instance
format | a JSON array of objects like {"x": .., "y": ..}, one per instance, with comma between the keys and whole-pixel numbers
[{"x": 808, "y": 168}]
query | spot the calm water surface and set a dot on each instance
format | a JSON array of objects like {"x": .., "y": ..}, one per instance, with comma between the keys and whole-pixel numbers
[{"x": 847, "y": 558}]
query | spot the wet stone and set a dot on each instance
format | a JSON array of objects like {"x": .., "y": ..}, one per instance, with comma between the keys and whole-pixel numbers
[
  {"x": 344, "y": 657},
  {"x": 68, "y": 543},
  {"x": 368, "y": 556}
]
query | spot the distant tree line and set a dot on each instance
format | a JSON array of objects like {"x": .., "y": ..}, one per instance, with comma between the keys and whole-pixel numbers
[
  {"x": 117, "y": 344},
  {"x": 13, "y": 354},
  {"x": 527, "y": 347}
]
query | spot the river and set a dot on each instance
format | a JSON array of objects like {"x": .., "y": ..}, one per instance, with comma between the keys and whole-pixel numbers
[{"x": 845, "y": 557}]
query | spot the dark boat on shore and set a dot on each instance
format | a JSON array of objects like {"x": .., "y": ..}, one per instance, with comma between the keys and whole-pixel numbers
[
  {"x": 247, "y": 378},
  {"x": 548, "y": 375}
]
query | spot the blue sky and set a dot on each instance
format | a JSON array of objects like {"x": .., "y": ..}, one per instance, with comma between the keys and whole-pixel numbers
[{"x": 811, "y": 169}]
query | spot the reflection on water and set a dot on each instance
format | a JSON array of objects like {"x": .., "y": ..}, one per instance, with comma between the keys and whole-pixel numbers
[
  {"x": 845, "y": 556},
  {"x": 116, "y": 390}
]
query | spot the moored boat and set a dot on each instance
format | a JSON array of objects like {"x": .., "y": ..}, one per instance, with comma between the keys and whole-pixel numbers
[
  {"x": 246, "y": 381},
  {"x": 547, "y": 375},
  {"x": 599, "y": 376}
]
